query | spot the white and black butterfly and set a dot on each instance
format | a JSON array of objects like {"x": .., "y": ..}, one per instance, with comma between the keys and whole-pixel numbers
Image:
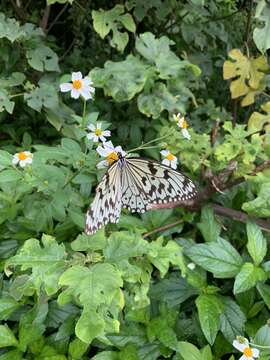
[{"x": 135, "y": 184}]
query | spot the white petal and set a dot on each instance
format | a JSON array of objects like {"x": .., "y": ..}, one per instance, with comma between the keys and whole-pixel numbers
[
  {"x": 244, "y": 357},
  {"x": 109, "y": 145},
  {"x": 165, "y": 162},
  {"x": 102, "y": 164},
  {"x": 240, "y": 346},
  {"x": 66, "y": 87},
  {"x": 91, "y": 127},
  {"x": 99, "y": 125},
  {"x": 95, "y": 138},
  {"x": 90, "y": 136},
  {"x": 102, "y": 138},
  {"x": 87, "y": 81},
  {"x": 185, "y": 133},
  {"x": 92, "y": 89},
  {"x": 29, "y": 160},
  {"x": 106, "y": 133},
  {"x": 15, "y": 159},
  {"x": 85, "y": 92},
  {"x": 76, "y": 76},
  {"x": 119, "y": 149},
  {"x": 104, "y": 152},
  {"x": 23, "y": 163},
  {"x": 191, "y": 266},
  {"x": 75, "y": 94},
  {"x": 256, "y": 353},
  {"x": 164, "y": 152},
  {"x": 174, "y": 164},
  {"x": 28, "y": 153}
]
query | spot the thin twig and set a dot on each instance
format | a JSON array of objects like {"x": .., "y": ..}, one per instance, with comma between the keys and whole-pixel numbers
[
  {"x": 162, "y": 228},
  {"x": 57, "y": 17}
]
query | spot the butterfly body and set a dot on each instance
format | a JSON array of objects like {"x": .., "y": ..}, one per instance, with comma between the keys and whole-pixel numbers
[{"x": 135, "y": 184}]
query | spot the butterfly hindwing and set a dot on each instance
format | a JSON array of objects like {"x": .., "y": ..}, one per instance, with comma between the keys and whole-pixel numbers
[
  {"x": 149, "y": 182},
  {"x": 106, "y": 206}
]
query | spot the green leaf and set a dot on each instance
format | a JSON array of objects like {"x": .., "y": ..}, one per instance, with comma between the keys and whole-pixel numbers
[
  {"x": 188, "y": 351},
  {"x": 43, "y": 95},
  {"x": 153, "y": 103},
  {"x": 209, "y": 226},
  {"x": 77, "y": 349},
  {"x": 12, "y": 355},
  {"x": 248, "y": 277},
  {"x": 162, "y": 256},
  {"x": 122, "y": 80},
  {"x": 6, "y": 337},
  {"x": 89, "y": 326},
  {"x": 5, "y": 103},
  {"x": 7, "y": 306},
  {"x": 262, "y": 337},
  {"x": 94, "y": 242},
  {"x": 7, "y": 176},
  {"x": 206, "y": 353},
  {"x": 10, "y": 29},
  {"x": 210, "y": 308},
  {"x": 232, "y": 320},
  {"x": 43, "y": 58},
  {"x": 106, "y": 355},
  {"x": 261, "y": 35},
  {"x": 47, "y": 262},
  {"x": 261, "y": 205},
  {"x": 112, "y": 20},
  {"x": 219, "y": 257},
  {"x": 173, "y": 290},
  {"x": 257, "y": 245},
  {"x": 99, "y": 284},
  {"x": 264, "y": 291}
]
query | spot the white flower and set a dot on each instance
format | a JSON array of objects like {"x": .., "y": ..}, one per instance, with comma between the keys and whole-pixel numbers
[
  {"x": 182, "y": 123},
  {"x": 22, "y": 158},
  {"x": 191, "y": 266},
  {"x": 110, "y": 152},
  {"x": 96, "y": 133},
  {"x": 79, "y": 86},
  {"x": 170, "y": 159},
  {"x": 242, "y": 344}
]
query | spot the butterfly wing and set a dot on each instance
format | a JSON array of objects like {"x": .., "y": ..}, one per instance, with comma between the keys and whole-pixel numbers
[
  {"x": 148, "y": 182},
  {"x": 106, "y": 206}
]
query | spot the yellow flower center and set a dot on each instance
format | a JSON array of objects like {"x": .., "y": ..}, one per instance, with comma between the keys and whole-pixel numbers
[
  {"x": 170, "y": 157},
  {"x": 248, "y": 352},
  {"x": 77, "y": 84},
  {"x": 98, "y": 132},
  {"x": 112, "y": 157},
  {"x": 184, "y": 124},
  {"x": 22, "y": 156}
]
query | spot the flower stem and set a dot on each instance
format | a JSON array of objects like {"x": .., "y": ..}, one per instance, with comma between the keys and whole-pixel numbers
[
  {"x": 145, "y": 146},
  {"x": 260, "y": 346},
  {"x": 83, "y": 114}
]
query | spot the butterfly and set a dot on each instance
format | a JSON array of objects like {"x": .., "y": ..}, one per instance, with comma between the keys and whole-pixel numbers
[{"x": 135, "y": 184}]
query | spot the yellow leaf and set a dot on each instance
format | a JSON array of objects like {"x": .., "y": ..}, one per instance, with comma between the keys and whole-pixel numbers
[
  {"x": 257, "y": 120},
  {"x": 247, "y": 75}
]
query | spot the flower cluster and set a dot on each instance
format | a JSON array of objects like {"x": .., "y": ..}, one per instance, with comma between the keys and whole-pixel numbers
[{"x": 182, "y": 123}]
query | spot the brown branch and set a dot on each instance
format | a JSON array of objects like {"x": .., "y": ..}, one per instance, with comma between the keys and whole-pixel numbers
[
  {"x": 162, "y": 228},
  {"x": 240, "y": 216},
  {"x": 57, "y": 17},
  {"x": 45, "y": 18}
]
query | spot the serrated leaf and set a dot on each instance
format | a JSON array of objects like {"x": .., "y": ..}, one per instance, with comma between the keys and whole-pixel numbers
[
  {"x": 43, "y": 95},
  {"x": 210, "y": 307},
  {"x": 188, "y": 351},
  {"x": 7, "y": 176},
  {"x": 232, "y": 320},
  {"x": 248, "y": 277},
  {"x": 257, "y": 245},
  {"x": 262, "y": 337},
  {"x": 264, "y": 291},
  {"x": 47, "y": 263},
  {"x": 10, "y": 29},
  {"x": 219, "y": 257}
]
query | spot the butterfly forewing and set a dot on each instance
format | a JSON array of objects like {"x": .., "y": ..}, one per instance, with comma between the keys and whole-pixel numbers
[
  {"x": 136, "y": 184},
  {"x": 106, "y": 206}
]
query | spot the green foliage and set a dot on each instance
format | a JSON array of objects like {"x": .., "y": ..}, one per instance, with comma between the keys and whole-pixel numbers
[{"x": 167, "y": 284}]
